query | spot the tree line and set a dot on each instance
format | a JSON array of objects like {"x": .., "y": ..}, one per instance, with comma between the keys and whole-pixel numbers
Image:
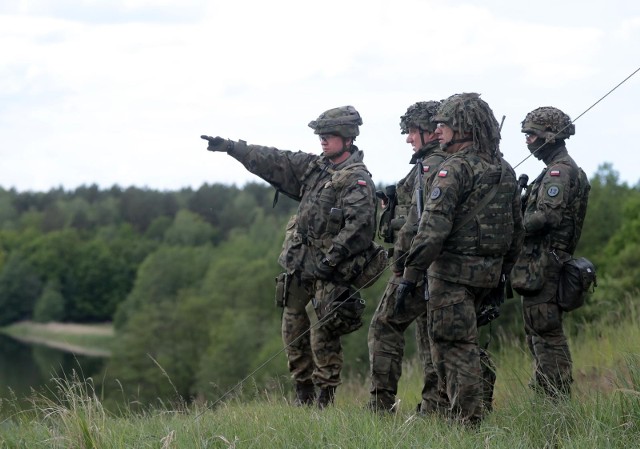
[{"x": 187, "y": 277}]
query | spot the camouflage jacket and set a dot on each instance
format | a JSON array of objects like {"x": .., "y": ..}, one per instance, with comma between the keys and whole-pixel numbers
[
  {"x": 477, "y": 252},
  {"x": 556, "y": 203},
  {"x": 430, "y": 157},
  {"x": 336, "y": 215}
]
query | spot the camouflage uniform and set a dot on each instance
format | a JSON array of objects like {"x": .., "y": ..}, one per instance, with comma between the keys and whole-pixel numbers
[
  {"x": 386, "y": 331},
  {"x": 554, "y": 211},
  {"x": 465, "y": 258},
  {"x": 335, "y": 222}
]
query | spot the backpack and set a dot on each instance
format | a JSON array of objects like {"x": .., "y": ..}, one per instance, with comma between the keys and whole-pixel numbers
[{"x": 577, "y": 277}]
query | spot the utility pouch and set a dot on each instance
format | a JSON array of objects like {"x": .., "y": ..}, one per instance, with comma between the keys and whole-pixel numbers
[
  {"x": 345, "y": 316},
  {"x": 374, "y": 263},
  {"x": 282, "y": 289},
  {"x": 397, "y": 223},
  {"x": 577, "y": 277},
  {"x": 335, "y": 221}
]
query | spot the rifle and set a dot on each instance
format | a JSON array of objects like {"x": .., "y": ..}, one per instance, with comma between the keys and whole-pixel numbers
[
  {"x": 420, "y": 189},
  {"x": 490, "y": 308},
  {"x": 390, "y": 199},
  {"x": 523, "y": 179}
]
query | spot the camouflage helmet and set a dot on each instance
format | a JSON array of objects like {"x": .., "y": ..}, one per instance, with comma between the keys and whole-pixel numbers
[
  {"x": 549, "y": 123},
  {"x": 419, "y": 116},
  {"x": 467, "y": 113},
  {"x": 343, "y": 121}
]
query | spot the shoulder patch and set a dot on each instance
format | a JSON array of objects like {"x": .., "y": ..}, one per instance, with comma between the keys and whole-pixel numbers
[
  {"x": 425, "y": 168},
  {"x": 443, "y": 173},
  {"x": 435, "y": 193},
  {"x": 553, "y": 191},
  {"x": 554, "y": 173},
  {"x": 362, "y": 182}
]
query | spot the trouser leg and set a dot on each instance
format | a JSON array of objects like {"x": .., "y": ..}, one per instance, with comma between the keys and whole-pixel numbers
[
  {"x": 386, "y": 343},
  {"x": 549, "y": 348},
  {"x": 455, "y": 350}
]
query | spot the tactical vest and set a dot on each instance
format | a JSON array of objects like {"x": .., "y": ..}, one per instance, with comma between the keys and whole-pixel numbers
[
  {"x": 490, "y": 231},
  {"x": 321, "y": 221}
]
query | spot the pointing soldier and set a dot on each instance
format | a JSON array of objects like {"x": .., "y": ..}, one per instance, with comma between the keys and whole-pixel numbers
[{"x": 333, "y": 227}]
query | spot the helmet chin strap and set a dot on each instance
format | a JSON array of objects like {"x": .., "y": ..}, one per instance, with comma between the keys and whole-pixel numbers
[
  {"x": 446, "y": 145},
  {"x": 345, "y": 148}
]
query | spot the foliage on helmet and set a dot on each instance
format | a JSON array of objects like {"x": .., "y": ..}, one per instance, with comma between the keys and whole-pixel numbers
[
  {"x": 467, "y": 113},
  {"x": 419, "y": 116},
  {"x": 549, "y": 123},
  {"x": 343, "y": 121}
]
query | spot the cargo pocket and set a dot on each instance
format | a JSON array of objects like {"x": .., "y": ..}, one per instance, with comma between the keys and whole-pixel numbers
[{"x": 452, "y": 320}]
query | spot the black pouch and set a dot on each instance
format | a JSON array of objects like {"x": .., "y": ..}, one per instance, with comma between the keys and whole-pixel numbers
[{"x": 577, "y": 277}]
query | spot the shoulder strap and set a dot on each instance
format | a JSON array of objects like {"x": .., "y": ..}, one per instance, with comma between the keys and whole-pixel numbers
[{"x": 481, "y": 205}]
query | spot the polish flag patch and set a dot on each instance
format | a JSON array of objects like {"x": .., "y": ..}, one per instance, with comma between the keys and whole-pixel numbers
[
  {"x": 443, "y": 173},
  {"x": 425, "y": 168},
  {"x": 362, "y": 182},
  {"x": 554, "y": 173}
]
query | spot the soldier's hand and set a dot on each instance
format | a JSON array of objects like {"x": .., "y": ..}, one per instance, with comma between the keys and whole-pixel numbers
[
  {"x": 405, "y": 289},
  {"x": 218, "y": 143},
  {"x": 324, "y": 271}
]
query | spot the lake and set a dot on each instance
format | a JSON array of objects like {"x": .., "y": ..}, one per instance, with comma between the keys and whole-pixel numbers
[{"x": 25, "y": 367}]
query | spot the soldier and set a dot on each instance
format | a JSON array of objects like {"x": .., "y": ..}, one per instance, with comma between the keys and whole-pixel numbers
[
  {"x": 400, "y": 224},
  {"x": 469, "y": 237},
  {"x": 334, "y": 226},
  {"x": 555, "y": 205}
]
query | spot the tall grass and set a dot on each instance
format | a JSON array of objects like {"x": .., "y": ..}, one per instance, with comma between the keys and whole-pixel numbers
[{"x": 604, "y": 412}]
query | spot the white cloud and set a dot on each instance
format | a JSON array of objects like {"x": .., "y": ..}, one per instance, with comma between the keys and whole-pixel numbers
[{"x": 123, "y": 99}]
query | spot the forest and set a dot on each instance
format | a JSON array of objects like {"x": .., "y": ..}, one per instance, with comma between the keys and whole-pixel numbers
[{"x": 187, "y": 278}]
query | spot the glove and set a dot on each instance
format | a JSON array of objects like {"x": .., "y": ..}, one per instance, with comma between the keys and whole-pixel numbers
[
  {"x": 405, "y": 289},
  {"x": 219, "y": 144},
  {"x": 323, "y": 270}
]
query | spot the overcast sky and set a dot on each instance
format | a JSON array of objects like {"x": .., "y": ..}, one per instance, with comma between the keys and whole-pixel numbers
[{"x": 117, "y": 92}]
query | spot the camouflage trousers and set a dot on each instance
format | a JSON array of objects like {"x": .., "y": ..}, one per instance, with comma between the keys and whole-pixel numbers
[
  {"x": 453, "y": 335},
  {"x": 386, "y": 346},
  {"x": 314, "y": 352},
  {"x": 545, "y": 337}
]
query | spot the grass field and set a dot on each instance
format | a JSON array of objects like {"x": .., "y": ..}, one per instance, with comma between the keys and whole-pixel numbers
[{"x": 604, "y": 412}]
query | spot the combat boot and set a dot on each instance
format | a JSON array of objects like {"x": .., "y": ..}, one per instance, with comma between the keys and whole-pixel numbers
[
  {"x": 305, "y": 394},
  {"x": 327, "y": 394},
  {"x": 382, "y": 402}
]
